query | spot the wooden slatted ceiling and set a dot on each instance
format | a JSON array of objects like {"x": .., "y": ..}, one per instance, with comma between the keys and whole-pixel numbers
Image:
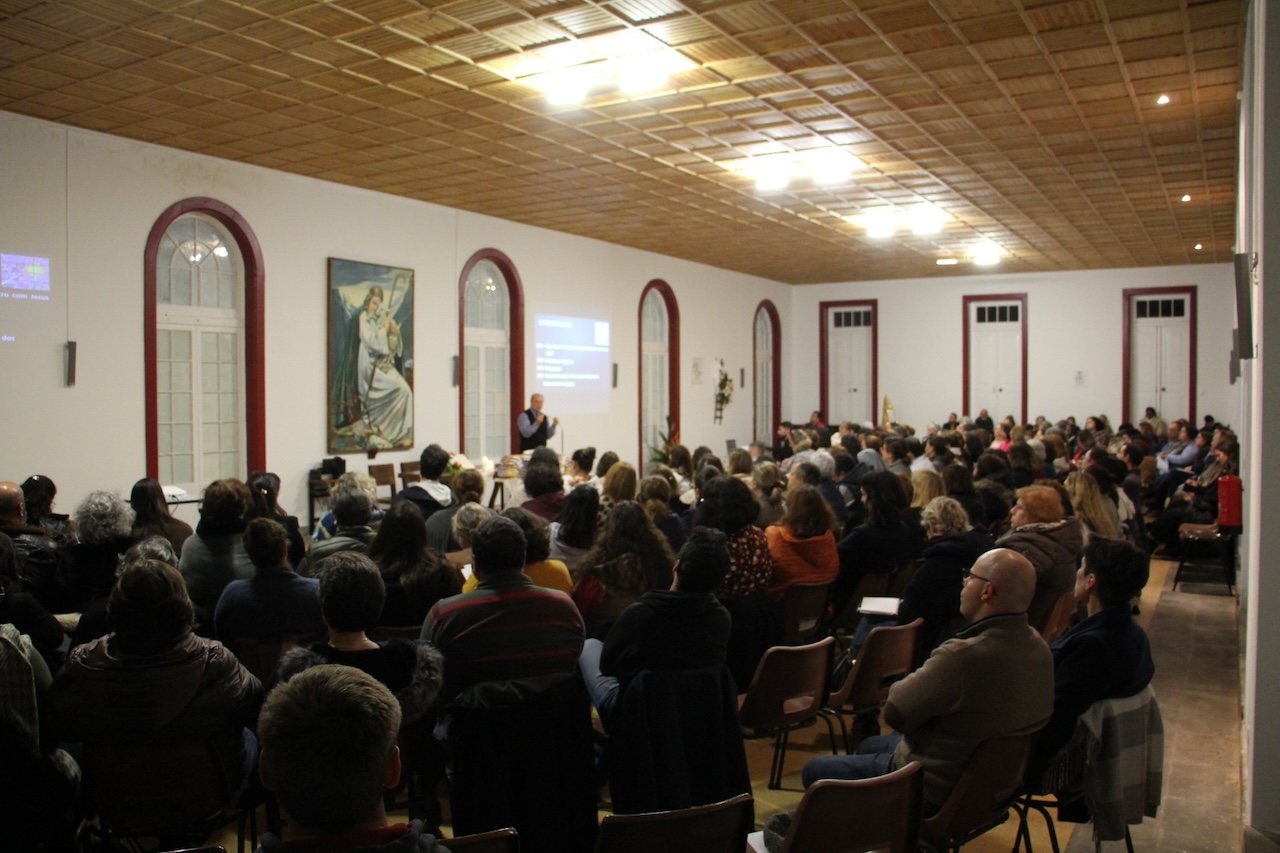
[{"x": 1033, "y": 123}]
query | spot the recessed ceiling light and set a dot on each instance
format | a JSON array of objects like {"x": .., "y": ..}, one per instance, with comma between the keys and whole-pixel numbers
[
  {"x": 1186, "y": 198},
  {"x": 986, "y": 254},
  {"x": 947, "y": 262},
  {"x": 1162, "y": 100},
  {"x": 1199, "y": 246},
  {"x": 927, "y": 219}
]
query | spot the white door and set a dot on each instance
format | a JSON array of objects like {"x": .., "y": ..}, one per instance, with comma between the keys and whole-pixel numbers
[
  {"x": 1159, "y": 356},
  {"x": 995, "y": 359},
  {"x": 849, "y": 362}
]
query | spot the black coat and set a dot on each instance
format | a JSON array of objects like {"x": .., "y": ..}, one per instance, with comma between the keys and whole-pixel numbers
[{"x": 934, "y": 591}]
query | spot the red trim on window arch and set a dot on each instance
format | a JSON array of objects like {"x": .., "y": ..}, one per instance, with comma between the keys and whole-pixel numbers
[
  {"x": 1020, "y": 298},
  {"x": 673, "y": 358},
  {"x": 775, "y": 331},
  {"x": 823, "y": 402},
  {"x": 515, "y": 339},
  {"x": 255, "y": 383},
  {"x": 1187, "y": 290}
]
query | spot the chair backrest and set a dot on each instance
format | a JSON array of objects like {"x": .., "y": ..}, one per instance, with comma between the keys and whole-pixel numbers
[
  {"x": 497, "y": 841},
  {"x": 260, "y": 655},
  {"x": 395, "y": 632},
  {"x": 717, "y": 828},
  {"x": 887, "y": 809},
  {"x": 1059, "y": 617},
  {"x": 410, "y": 472},
  {"x": 384, "y": 475},
  {"x": 789, "y": 686},
  {"x": 902, "y": 576},
  {"x": 888, "y": 655},
  {"x": 150, "y": 787},
  {"x": 846, "y": 621},
  {"x": 986, "y": 788},
  {"x": 804, "y": 607}
]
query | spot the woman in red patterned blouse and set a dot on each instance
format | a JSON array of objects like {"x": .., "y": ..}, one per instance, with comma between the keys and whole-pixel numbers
[{"x": 728, "y": 505}]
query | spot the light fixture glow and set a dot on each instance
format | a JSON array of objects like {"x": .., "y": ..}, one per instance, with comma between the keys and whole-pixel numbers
[
  {"x": 821, "y": 166},
  {"x": 947, "y": 262},
  {"x": 1186, "y": 198},
  {"x": 927, "y": 219},
  {"x": 771, "y": 173},
  {"x": 880, "y": 224},
  {"x": 1199, "y": 246},
  {"x": 1162, "y": 100},
  {"x": 986, "y": 254}
]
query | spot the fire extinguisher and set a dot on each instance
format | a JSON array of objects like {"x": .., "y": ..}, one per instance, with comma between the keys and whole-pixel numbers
[{"x": 1230, "y": 491}]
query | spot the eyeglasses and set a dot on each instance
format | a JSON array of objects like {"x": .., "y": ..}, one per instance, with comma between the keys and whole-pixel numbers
[{"x": 968, "y": 573}]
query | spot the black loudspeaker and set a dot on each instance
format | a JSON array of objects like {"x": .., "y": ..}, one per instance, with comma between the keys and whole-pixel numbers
[
  {"x": 1244, "y": 304},
  {"x": 334, "y": 466},
  {"x": 615, "y": 374},
  {"x": 71, "y": 363}
]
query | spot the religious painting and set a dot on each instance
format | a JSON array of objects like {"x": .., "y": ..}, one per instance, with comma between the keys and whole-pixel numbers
[{"x": 370, "y": 357}]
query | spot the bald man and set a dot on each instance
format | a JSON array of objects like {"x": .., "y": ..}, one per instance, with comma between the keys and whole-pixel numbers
[
  {"x": 993, "y": 678},
  {"x": 38, "y": 554}
]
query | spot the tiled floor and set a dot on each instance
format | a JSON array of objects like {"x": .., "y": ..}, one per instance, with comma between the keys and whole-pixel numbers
[{"x": 1194, "y": 641}]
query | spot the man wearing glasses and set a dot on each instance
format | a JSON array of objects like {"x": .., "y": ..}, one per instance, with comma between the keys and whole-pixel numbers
[{"x": 993, "y": 678}]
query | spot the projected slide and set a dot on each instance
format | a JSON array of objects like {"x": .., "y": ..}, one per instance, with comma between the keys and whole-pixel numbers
[
  {"x": 24, "y": 281},
  {"x": 573, "y": 372}
]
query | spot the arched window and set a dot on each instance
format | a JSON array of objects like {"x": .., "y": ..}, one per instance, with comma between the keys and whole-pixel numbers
[
  {"x": 203, "y": 346},
  {"x": 491, "y": 378},
  {"x": 659, "y": 365},
  {"x": 767, "y": 363}
]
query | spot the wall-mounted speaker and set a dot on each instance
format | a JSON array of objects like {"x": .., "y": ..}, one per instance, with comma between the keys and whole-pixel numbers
[
  {"x": 71, "y": 363},
  {"x": 615, "y": 374}
]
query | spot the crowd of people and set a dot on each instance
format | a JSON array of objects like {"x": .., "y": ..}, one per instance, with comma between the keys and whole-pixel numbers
[{"x": 132, "y": 621}]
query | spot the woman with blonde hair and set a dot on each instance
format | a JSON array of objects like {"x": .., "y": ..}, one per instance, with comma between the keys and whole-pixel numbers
[
  {"x": 1087, "y": 504},
  {"x": 619, "y": 485},
  {"x": 769, "y": 487}
]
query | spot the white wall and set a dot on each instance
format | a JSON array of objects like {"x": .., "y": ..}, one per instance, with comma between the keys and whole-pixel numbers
[
  {"x": 88, "y": 201},
  {"x": 1074, "y": 324}
]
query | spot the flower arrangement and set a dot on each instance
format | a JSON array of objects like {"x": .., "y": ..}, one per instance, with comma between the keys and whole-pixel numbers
[{"x": 724, "y": 392}]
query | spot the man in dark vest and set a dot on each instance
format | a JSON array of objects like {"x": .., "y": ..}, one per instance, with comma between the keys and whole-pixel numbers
[{"x": 533, "y": 425}]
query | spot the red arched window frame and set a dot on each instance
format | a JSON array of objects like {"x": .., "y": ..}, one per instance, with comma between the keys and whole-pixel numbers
[
  {"x": 515, "y": 321},
  {"x": 673, "y": 358},
  {"x": 775, "y": 332},
  {"x": 255, "y": 383}
]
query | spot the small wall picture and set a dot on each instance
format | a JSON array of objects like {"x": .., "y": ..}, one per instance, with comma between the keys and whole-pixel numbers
[{"x": 370, "y": 357}]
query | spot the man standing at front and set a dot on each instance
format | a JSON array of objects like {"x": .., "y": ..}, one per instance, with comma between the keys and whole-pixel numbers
[
  {"x": 993, "y": 678},
  {"x": 533, "y": 425}
]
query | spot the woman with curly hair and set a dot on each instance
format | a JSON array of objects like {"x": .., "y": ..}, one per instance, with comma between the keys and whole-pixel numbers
[
  {"x": 104, "y": 524},
  {"x": 619, "y": 485},
  {"x": 152, "y": 517},
  {"x": 728, "y": 506},
  {"x": 630, "y": 558},
  {"x": 415, "y": 575},
  {"x": 802, "y": 544}
]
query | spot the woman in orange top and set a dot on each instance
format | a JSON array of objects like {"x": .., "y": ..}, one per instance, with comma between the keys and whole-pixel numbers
[{"x": 802, "y": 543}]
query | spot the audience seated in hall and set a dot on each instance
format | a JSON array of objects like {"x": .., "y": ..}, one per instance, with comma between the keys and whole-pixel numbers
[
  {"x": 1040, "y": 531},
  {"x": 151, "y": 515},
  {"x": 153, "y": 678},
  {"x": 993, "y": 678},
  {"x": 265, "y": 490},
  {"x": 215, "y": 555},
  {"x": 880, "y": 544},
  {"x": 1197, "y": 501},
  {"x": 543, "y": 571},
  {"x": 276, "y": 600},
  {"x": 93, "y": 622},
  {"x": 353, "y": 512},
  {"x": 933, "y": 593},
  {"x": 351, "y": 598},
  {"x": 802, "y": 545},
  {"x": 1105, "y": 656},
  {"x": 88, "y": 569},
  {"x": 416, "y": 575},
  {"x": 328, "y": 753},
  {"x": 328, "y": 525},
  {"x": 474, "y": 630},
  {"x": 468, "y": 488},
  {"x": 38, "y": 554},
  {"x": 25, "y": 612},
  {"x": 429, "y": 495},
  {"x": 630, "y": 557}
]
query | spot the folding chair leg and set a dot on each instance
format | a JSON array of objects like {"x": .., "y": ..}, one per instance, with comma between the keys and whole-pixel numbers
[
  {"x": 831, "y": 731},
  {"x": 779, "y": 757},
  {"x": 1024, "y": 806}
]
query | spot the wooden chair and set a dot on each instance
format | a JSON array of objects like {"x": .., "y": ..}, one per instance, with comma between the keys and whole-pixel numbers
[
  {"x": 1059, "y": 617},
  {"x": 717, "y": 828},
  {"x": 887, "y": 656},
  {"x": 496, "y": 841},
  {"x": 148, "y": 789},
  {"x": 384, "y": 475},
  {"x": 410, "y": 472},
  {"x": 787, "y": 691},
  {"x": 984, "y": 793},
  {"x": 887, "y": 809},
  {"x": 804, "y": 606}
]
